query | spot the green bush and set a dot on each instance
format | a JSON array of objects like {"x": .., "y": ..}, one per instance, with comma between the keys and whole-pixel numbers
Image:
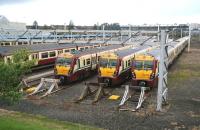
[{"x": 11, "y": 75}]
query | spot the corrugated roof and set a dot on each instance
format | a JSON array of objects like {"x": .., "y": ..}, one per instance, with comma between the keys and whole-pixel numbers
[{"x": 8, "y": 50}]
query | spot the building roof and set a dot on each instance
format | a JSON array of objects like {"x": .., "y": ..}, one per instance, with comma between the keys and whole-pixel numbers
[{"x": 9, "y": 50}]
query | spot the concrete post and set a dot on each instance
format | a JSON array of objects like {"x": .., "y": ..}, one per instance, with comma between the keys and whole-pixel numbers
[
  {"x": 181, "y": 32},
  {"x": 161, "y": 71},
  {"x": 189, "y": 38},
  {"x": 129, "y": 33},
  {"x": 158, "y": 32},
  {"x": 103, "y": 33}
]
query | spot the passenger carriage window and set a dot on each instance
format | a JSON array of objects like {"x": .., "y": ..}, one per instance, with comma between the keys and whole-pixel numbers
[
  {"x": 72, "y": 50},
  {"x": 88, "y": 61},
  {"x": 129, "y": 62},
  {"x": 8, "y": 59},
  {"x": 52, "y": 54},
  {"x": 126, "y": 63},
  {"x": 83, "y": 62},
  {"x": 44, "y": 55},
  {"x": 93, "y": 60},
  {"x": 66, "y": 50},
  {"x": 78, "y": 63},
  {"x": 60, "y": 51},
  {"x": 86, "y": 48},
  {"x": 7, "y": 44},
  {"x": 98, "y": 58},
  {"x": 19, "y": 43},
  {"x": 34, "y": 56},
  {"x": 81, "y": 49}
]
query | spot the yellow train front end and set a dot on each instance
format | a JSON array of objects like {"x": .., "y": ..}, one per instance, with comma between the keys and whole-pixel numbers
[
  {"x": 145, "y": 71},
  {"x": 108, "y": 68},
  {"x": 63, "y": 66}
]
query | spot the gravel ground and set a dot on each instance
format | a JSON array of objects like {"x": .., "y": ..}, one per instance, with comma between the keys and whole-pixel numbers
[{"x": 183, "y": 111}]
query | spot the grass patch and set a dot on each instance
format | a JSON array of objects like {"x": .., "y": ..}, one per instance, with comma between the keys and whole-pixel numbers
[{"x": 22, "y": 121}]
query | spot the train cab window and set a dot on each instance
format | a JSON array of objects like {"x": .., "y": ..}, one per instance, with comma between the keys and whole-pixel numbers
[
  {"x": 2, "y": 44},
  {"x": 88, "y": 61},
  {"x": 52, "y": 54},
  {"x": 138, "y": 65},
  {"x": 148, "y": 65},
  {"x": 66, "y": 51},
  {"x": 44, "y": 55}
]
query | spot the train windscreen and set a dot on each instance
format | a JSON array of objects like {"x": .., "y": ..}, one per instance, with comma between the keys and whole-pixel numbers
[
  {"x": 64, "y": 61},
  {"x": 108, "y": 62},
  {"x": 143, "y": 65}
]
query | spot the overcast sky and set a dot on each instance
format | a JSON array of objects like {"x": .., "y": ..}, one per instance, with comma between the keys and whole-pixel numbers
[{"x": 90, "y": 12}]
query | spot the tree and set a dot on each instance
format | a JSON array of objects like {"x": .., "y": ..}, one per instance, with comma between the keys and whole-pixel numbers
[
  {"x": 11, "y": 75},
  {"x": 35, "y": 25},
  {"x": 71, "y": 25},
  {"x": 95, "y": 27}
]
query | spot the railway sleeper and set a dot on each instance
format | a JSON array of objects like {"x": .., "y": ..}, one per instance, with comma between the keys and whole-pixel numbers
[
  {"x": 90, "y": 89},
  {"x": 131, "y": 93}
]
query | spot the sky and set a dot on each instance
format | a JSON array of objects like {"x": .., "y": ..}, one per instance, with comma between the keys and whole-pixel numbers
[{"x": 90, "y": 12}]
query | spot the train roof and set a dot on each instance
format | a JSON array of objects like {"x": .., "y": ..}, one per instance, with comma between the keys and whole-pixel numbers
[
  {"x": 94, "y": 50},
  {"x": 171, "y": 45},
  {"x": 129, "y": 51},
  {"x": 9, "y": 50}
]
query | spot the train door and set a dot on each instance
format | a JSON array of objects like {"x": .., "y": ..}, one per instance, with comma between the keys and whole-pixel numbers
[{"x": 94, "y": 62}]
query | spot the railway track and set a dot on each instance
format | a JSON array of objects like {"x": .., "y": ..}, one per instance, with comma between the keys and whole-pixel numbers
[{"x": 35, "y": 77}]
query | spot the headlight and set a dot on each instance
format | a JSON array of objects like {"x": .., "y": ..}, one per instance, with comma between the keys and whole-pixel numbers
[
  {"x": 55, "y": 71},
  {"x": 115, "y": 73},
  {"x": 99, "y": 72},
  {"x": 152, "y": 76},
  {"x": 133, "y": 75}
]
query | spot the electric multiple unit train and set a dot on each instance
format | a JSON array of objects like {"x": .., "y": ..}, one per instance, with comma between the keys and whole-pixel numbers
[
  {"x": 80, "y": 64},
  {"x": 145, "y": 66},
  {"x": 115, "y": 67}
]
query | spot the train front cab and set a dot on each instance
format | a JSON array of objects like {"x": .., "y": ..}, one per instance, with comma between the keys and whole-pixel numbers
[
  {"x": 145, "y": 71},
  {"x": 69, "y": 67},
  {"x": 113, "y": 70},
  {"x": 63, "y": 65},
  {"x": 107, "y": 69}
]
